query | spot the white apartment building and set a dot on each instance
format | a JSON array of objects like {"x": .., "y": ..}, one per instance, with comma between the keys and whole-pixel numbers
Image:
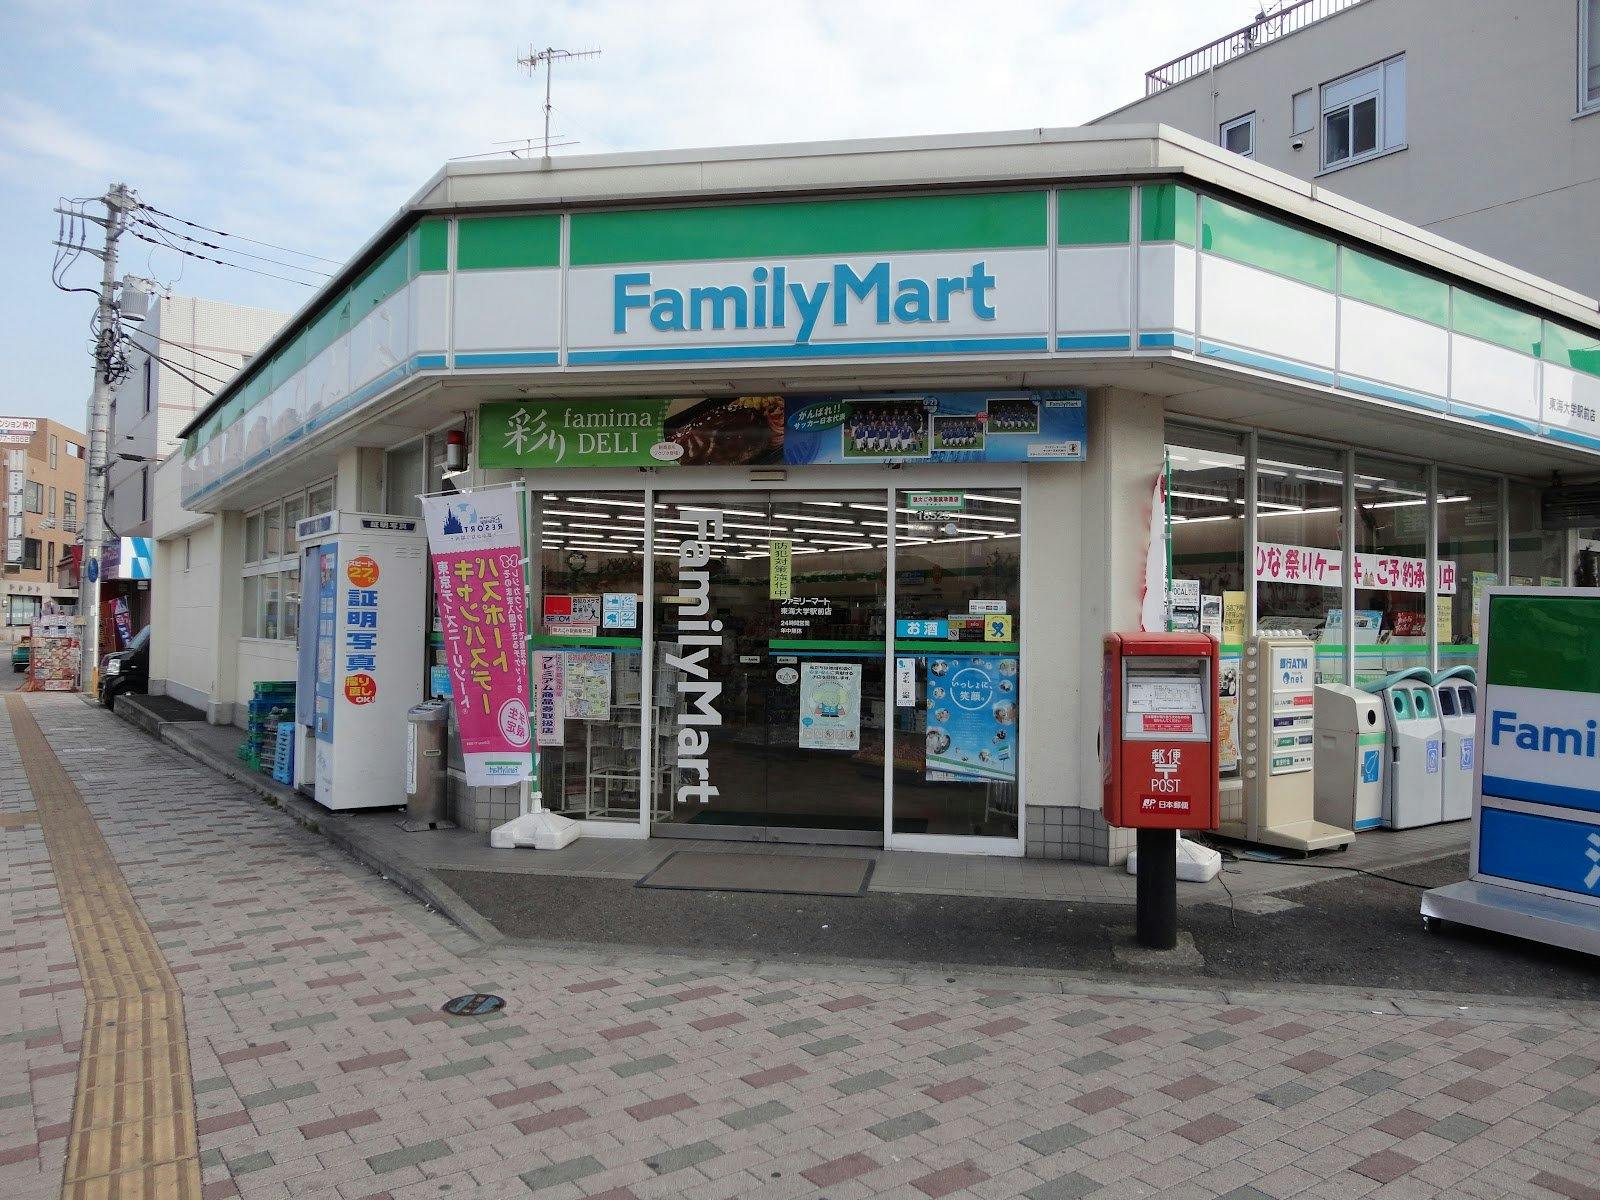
[{"x": 1476, "y": 120}]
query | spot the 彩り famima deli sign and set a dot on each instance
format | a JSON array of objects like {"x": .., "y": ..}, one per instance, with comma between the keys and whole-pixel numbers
[{"x": 930, "y": 427}]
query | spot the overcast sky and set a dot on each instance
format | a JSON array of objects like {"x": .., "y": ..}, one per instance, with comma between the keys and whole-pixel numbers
[{"x": 308, "y": 123}]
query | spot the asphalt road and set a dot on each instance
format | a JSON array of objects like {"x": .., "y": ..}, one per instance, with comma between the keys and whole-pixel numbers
[{"x": 1352, "y": 930}]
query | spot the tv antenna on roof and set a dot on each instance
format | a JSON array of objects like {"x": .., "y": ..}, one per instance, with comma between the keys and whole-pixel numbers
[{"x": 547, "y": 58}]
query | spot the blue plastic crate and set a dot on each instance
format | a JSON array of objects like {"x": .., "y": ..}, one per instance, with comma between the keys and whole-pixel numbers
[{"x": 283, "y": 753}]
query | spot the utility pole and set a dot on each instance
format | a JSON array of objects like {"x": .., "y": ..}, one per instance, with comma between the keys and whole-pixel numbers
[
  {"x": 118, "y": 201},
  {"x": 547, "y": 58}
]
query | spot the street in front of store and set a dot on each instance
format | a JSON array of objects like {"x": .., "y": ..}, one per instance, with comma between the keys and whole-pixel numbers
[{"x": 319, "y": 1061}]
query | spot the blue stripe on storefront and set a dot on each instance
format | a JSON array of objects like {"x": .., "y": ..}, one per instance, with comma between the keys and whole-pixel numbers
[
  {"x": 1541, "y": 793},
  {"x": 1094, "y": 341},
  {"x": 1267, "y": 362},
  {"x": 1369, "y": 823},
  {"x": 1492, "y": 418},
  {"x": 429, "y": 362},
  {"x": 1384, "y": 392},
  {"x": 537, "y": 358},
  {"x": 1576, "y": 439},
  {"x": 1166, "y": 341},
  {"x": 811, "y": 350}
]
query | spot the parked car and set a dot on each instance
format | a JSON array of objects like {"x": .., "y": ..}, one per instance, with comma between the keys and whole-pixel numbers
[
  {"x": 126, "y": 670},
  {"x": 21, "y": 656}
]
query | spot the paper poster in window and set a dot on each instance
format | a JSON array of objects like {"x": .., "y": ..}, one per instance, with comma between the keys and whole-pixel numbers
[
  {"x": 830, "y": 706},
  {"x": 588, "y": 681}
]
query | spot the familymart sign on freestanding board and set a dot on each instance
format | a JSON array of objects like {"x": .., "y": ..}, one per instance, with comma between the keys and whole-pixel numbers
[{"x": 1535, "y": 869}]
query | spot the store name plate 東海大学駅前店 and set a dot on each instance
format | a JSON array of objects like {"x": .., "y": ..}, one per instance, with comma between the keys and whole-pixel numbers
[{"x": 771, "y": 301}]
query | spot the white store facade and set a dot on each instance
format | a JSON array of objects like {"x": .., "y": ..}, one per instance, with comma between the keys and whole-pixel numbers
[{"x": 916, "y": 395}]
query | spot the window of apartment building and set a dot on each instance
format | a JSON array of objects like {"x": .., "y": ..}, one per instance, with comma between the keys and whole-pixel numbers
[
  {"x": 23, "y": 610},
  {"x": 30, "y": 554},
  {"x": 69, "y": 511},
  {"x": 144, "y": 493},
  {"x": 33, "y": 497},
  {"x": 55, "y": 451},
  {"x": 149, "y": 384},
  {"x": 270, "y": 603},
  {"x": 49, "y": 562},
  {"x": 1239, "y": 135},
  {"x": 1364, "y": 114},
  {"x": 1303, "y": 112},
  {"x": 50, "y": 510},
  {"x": 1589, "y": 55},
  {"x": 188, "y": 549},
  {"x": 74, "y": 450}
]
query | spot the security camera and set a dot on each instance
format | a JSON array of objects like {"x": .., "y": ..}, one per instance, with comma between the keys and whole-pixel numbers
[{"x": 1297, "y": 143}]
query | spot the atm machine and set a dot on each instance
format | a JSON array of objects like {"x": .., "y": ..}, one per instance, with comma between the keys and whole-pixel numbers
[
  {"x": 1457, "y": 690},
  {"x": 1278, "y": 747},
  {"x": 1413, "y": 792},
  {"x": 363, "y": 580}
]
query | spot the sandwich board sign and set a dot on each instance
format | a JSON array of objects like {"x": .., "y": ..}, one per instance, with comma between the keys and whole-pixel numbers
[{"x": 1535, "y": 862}]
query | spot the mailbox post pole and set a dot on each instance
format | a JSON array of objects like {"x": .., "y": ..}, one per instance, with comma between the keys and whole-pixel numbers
[{"x": 1157, "y": 889}]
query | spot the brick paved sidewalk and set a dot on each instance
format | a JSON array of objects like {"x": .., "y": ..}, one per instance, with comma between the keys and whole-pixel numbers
[{"x": 322, "y": 1066}]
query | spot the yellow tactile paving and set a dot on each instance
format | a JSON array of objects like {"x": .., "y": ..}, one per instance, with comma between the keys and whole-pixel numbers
[
  {"x": 19, "y": 820},
  {"x": 133, "y": 1120}
]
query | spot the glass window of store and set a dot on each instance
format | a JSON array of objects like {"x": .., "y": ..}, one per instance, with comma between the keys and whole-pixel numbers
[
  {"x": 1300, "y": 548},
  {"x": 405, "y": 479},
  {"x": 587, "y": 606},
  {"x": 1468, "y": 512},
  {"x": 958, "y": 685},
  {"x": 1391, "y": 544},
  {"x": 1205, "y": 545},
  {"x": 269, "y": 605},
  {"x": 1538, "y": 555}
]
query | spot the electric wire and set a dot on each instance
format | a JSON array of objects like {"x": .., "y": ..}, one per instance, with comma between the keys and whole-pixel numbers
[
  {"x": 220, "y": 262},
  {"x": 188, "y": 349},
  {"x": 192, "y": 369},
  {"x": 236, "y": 236},
  {"x": 178, "y": 233},
  {"x": 195, "y": 383}
]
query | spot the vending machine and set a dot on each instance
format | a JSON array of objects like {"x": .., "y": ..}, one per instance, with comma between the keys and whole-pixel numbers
[{"x": 363, "y": 579}]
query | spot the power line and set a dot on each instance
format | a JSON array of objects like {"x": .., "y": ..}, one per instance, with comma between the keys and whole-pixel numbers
[
  {"x": 277, "y": 262},
  {"x": 237, "y": 236},
  {"x": 188, "y": 349},
  {"x": 155, "y": 355},
  {"x": 220, "y": 262},
  {"x": 197, "y": 385}
]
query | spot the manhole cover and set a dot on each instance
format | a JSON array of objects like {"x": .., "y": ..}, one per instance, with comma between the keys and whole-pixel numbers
[{"x": 479, "y": 1004}]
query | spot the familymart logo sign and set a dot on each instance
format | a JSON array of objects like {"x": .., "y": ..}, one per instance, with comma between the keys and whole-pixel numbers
[{"x": 944, "y": 301}]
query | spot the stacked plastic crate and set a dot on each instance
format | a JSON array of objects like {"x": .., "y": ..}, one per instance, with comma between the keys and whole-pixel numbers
[{"x": 271, "y": 704}]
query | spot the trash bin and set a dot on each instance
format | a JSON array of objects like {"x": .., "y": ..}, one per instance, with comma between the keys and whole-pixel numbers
[{"x": 427, "y": 778}]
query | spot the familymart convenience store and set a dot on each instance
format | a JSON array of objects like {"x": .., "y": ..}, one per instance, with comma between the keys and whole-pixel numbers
[{"x": 835, "y": 486}]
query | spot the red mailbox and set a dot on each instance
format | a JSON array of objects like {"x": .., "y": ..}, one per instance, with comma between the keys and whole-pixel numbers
[{"x": 1159, "y": 747}]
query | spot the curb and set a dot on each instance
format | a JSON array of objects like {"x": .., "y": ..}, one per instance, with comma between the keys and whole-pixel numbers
[{"x": 410, "y": 877}]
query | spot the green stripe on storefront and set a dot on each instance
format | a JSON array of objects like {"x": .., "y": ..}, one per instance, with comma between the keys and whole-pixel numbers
[
  {"x": 1544, "y": 642},
  {"x": 920, "y": 647},
  {"x": 1258, "y": 241},
  {"x": 1166, "y": 213},
  {"x": 880, "y": 225},
  {"x": 1371, "y": 739},
  {"x": 1578, "y": 350},
  {"x": 433, "y": 246},
  {"x": 1093, "y": 216},
  {"x": 1491, "y": 322},
  {"x": 488, "y": 243},
  {"x": 1362, "y": 277}
]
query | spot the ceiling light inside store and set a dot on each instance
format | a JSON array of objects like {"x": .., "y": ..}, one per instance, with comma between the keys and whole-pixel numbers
[{"x": 992, "y": 499}]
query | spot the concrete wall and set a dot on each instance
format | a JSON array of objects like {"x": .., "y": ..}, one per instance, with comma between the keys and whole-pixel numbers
[
  {"x": 1087, "y": 533},
  {"x": 1494, "y": 158}
]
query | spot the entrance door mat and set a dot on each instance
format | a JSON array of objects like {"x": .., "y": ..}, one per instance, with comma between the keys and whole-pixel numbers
[{"x": 790, "y": 874}]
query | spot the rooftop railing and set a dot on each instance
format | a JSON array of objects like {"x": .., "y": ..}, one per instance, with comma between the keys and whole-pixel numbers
[{"x": 1267, "y": 27}]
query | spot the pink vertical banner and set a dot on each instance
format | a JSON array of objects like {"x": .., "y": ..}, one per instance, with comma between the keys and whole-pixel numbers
[{"x": 475, "y": 540}]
